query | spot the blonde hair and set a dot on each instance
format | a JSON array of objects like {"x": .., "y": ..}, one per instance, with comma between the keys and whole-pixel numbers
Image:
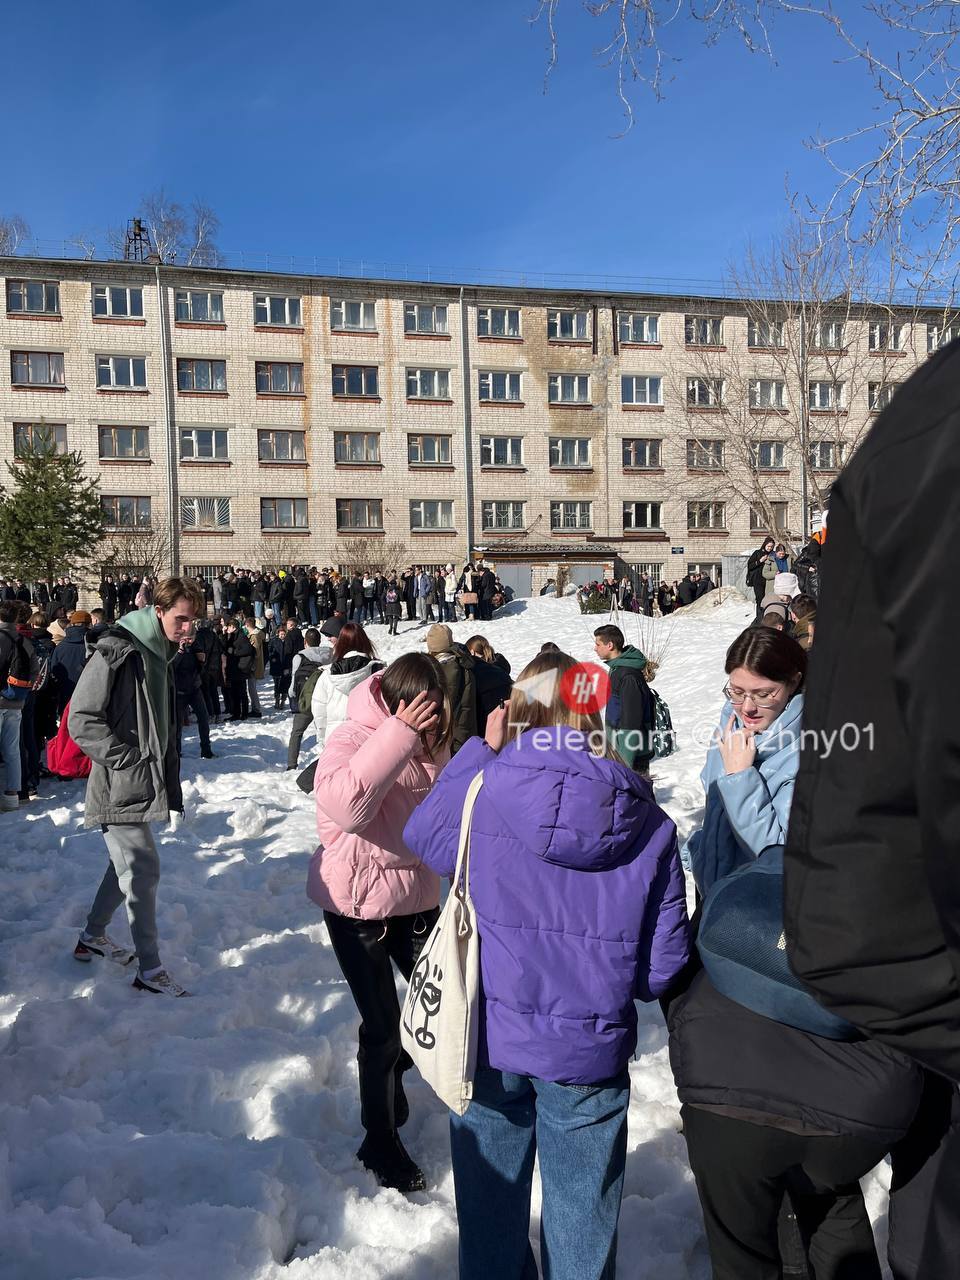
[
  {"x": 480, "y": 647},
  {"x": 534, "y": 714}
]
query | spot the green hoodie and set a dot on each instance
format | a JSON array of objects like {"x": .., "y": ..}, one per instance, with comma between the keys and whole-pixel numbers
[
  {"x": 628, "y": 709},
  {"x": 144, "y": 627}
]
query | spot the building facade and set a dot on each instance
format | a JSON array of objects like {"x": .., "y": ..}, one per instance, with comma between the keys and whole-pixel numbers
[{"x": 253, "y": 419}]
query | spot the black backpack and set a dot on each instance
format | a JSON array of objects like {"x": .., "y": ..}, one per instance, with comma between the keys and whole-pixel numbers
[
  {"x": 19, "y": 670},
  {"x": 305, "y": 669}
]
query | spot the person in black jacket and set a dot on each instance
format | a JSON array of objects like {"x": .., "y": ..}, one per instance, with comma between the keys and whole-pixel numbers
[
  {"x": 488, "y": 589},
  {"x": 258, "y": 596},
  {"x": 356, "y": 599},
  {"x": 239, "y": 661},
  {"x": 69, "y": 659},
  {"x": 69, "y": 596},
  {"x": 125, "y": 594},
  {"x": 275, "y": 600},
  {"x": 408, "y": 591},
  {"x": 687, "y": 590},
  {"x": 208, "y": 655},
  {"x": 301, "y": 595},
  {"x": 108, "y": 594},
  {"x": 187, "y": 681},
  {"x": 755, "y": 579},
  {"x": 872, "y": 873}
]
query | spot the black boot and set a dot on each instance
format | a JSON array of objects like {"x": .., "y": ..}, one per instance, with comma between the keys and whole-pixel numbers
[{"x": 387, "y": 1159}]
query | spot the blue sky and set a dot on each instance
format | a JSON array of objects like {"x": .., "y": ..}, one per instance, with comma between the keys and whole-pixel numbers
[{"x": 419, "y": 132}]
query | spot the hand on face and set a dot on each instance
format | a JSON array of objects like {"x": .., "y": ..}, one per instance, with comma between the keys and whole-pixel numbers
[
  {"x": 421, "y": 715},
  {"x": 738, "y": 748}
]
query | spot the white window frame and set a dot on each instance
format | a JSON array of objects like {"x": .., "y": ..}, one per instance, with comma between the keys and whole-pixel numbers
[
  {"x": 652, "y": 512},
  {"x": 706, "y": 455},
  {"x": 835, "y": 454},
  {"x": 705, "y": 393},
  {"x": 419, "y": 379},
  {"x": 568, "y": 324},
  {"x": 716, "y": 515},
  {"x": 204, "y": 512},
  {"x": 346, "y": 455},
  {"x": 834, "y": 333},
  {"x": 759, "y": 525},
  {"x": 760, "y": 397},
  {"x": 766, "y": 335},
  {"x": 131, "y": 305},
  {"x": 496, "y": 514},
  {"x": 641, "y": 388},
  {"x": 442, "y": 444},
  {"x": 444, "y": 511},
  {"x": 562, "y": 518},
  {"x": 488, "y": 326},
  {"x": 341, "y": 322},
  {"x": 652, "y": 568},
  {"x": 511, "y": 445},
  {"x": 112, "y": 429},
  {"x": 53, "y": 364},
  {"x": 757, "y": 448},
  {"x": 879, "y": 395},
  {"x": 51, "y": 294},
  {"x": 578, "y": 446},
  {"x": 939, "y": 335},
  {"x": 369, "y": 377},
  {"x": 270, "y": 434},
  {"x": 270, "y": 365},
  {"x": 187, "y": 297},
  {"x": 184, "y": 362},
  {"x": 219, "y": 436},
  {"x": 568, "y": 388},
  {"x": 414, "y": 313},
  {"x": 628, "y": 441},
  {"x": 834, "y": 395},
  {"x": 702, "y": 330},
  {"x": 886, "y": 335},
  {"x": 109, "y": 364},
  {"x": 646, "y": 324},
  {"x": 371, "y": 505},
  {"x": 290, "y": 304},
  {"x": 299, "y": 509},
  {"x": 489, "y": 379},
  {"x": 137, "y": 499}
]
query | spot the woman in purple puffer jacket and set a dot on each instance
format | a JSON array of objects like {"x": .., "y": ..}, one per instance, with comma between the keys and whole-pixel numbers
[{"x": 581, "y": 909}]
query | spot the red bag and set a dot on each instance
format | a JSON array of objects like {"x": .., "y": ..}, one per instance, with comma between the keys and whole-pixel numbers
[{"x": 64, "y": 757}]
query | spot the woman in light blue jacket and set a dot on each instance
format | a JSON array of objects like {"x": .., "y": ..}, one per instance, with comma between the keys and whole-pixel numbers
[{"x": 752, "y": 764}]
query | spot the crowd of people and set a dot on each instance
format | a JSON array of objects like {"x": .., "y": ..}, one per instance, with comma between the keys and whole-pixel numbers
[{"x": 643, "y": 595}]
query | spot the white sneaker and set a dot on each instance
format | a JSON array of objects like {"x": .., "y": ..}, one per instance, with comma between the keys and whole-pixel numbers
[
  {"x": 103, "y": 946},
  {"x": 161, "y": 984},
  {"x": 9, "y": 802}
]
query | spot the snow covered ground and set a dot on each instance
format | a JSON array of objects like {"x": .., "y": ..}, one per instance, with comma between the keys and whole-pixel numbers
[{"x": 214, "y": 1138}]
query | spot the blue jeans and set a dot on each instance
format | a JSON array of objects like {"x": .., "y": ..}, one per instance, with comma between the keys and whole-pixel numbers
[
  {"x": 277, "y": 609},
  {"x": 580, "y": 1135},
  {"x": 258, "y": 608},
  {"x": 10, "y": 717},
  {"x": 314, "y": 610}
]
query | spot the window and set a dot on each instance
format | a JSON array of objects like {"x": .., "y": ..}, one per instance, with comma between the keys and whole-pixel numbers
[
  {"x": 569, "y": 388},
  {"x": 125, "y": 513},
  {"x": 880, "y": 394},
  {"x": 282, "y": 446},
  {"x": 826, "y": 455},
  {"x": 278, "y": 312},
  {"x": 431, "y": 513},
  {"x": 128, "y": 372},
  {"x": 569, "y": 451},
  {"x": 36, "y": 368},
  {"x": 347, "y": 314},
  {"x": 201, "y": 375},
  {"x": 354, "y": 446},
  {"x": 713, "y": 571},
  {"x": 767, "y": 393},
  {"x": 501, "y": 451},
  {"x": 760, "y": 523},
  {"x": 704, "y": 393},
  {"x": 359, "y": 513},
  {"x": 641, "y": 389},
  {"x": 705, "y": 455},
  {"x": 571, "y": 515},
  {"x": 568, "y": 326},
  {"x": 498, "y": 322},
  {"x": 205, "y": 513},
  {"x": 768, "y": 455},
  {"x": 938, "y": 335},
  {"x": 40, "y": 437},
  {"x": 428, "y": 450},
  {"x": 706, "y": 515},
  {"x": 764, "y": 333},
  {"x": 356, "y": 380},
  {"x": 115, "y": 300},
  {"x": 283, "y": 513},
  {"x": 124, "y": 442},
  {"x": 208, "y": 444},
  {"x": 638, "y": 327},
  {"x": 279, "y": 378},
  {"x": 828, "y": 335},
  {"x": 500, "y": 386},
  {"x": 640, "y": 454},
  {"x": 34, "y": 297},
  {"x": 885, "y": 335},
  {"x": 421, "y": 317},
  {"x": 642, "y": 516},
  {"x": 197, "y": 306},
  {"x": 652, "y": 568},
  {"x": 703, "y": 331},
  {"x": 502, "y": 515},
  {"x": 826, "y": 395},
  {"x": 428, "y": 384}
]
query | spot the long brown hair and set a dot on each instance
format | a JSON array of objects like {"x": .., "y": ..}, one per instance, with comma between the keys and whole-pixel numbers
[
  {"x": 534, "y": 714},
  {"x": 771, "y": 654},
  {"x": 353, "y": 639},
  {"x": 414, "y": 673}
]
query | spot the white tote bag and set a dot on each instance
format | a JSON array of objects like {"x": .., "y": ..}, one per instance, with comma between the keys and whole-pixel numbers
[{"x": 438, "y": 1023}]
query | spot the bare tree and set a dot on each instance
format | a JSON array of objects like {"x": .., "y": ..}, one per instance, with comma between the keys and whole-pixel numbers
[
  {"x": 375, "y": 554},
  {"x": 183, "y": 235},
  {"x": 139, "y": 552},
  {"x": 13, "y": 232}
]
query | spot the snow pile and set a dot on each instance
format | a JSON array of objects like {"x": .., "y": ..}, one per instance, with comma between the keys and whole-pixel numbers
[{"x": 214, "y": 1137}]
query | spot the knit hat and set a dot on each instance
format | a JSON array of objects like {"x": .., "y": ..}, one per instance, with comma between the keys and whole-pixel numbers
[
  {"x": 786, "y": 584},
  {"x": 80, "y": 618},
  {"x": 332, "y": 628},
  {"x": 439, "y": 639}
]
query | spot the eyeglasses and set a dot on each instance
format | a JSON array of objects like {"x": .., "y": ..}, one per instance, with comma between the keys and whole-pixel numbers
[{"x": 738, "y": 699}]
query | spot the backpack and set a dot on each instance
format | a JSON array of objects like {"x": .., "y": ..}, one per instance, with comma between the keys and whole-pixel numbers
[
  {"x": 305, "y": 669},
  {"x": 64, "y": 757},
  {"x": 305, "y": 700},
  {"x": 392, "y": 596},
  {"x": 662, "y": 737},
  {"x": 19, "y": 674}
]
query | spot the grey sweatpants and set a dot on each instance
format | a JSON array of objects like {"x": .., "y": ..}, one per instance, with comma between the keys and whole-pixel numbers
[{"x": 131, "y": 877}]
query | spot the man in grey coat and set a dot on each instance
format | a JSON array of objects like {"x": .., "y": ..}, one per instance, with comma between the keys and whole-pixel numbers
[{"x": 123, "y": 716}]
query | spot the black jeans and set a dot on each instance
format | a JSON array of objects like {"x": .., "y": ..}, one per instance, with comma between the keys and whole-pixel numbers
[
  {"x": 301, "y": 723},
  {"x": 364, "y": 950},
  {"x": 197, "y": 702},
  {"x": 925, "y": 1187},
  {"x": 742, "y": 1171},
  {"x": 238, "y": 700}
]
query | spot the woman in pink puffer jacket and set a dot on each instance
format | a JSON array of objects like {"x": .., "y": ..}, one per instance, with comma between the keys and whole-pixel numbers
[{"x": 379, "y": 900}]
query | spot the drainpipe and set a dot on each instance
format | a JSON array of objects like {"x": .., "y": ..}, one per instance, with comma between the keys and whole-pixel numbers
[
  {"x": 173, "y": 527},
  {"x": 467, "y": 391},
  {"x": 804, "y": 431}
]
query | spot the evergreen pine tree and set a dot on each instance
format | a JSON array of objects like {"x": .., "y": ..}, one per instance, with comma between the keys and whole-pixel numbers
[{"x": 50, "y": 518}]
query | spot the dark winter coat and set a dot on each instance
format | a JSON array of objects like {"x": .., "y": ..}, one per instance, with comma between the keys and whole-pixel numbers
[
  {"x": 630, "y": 709},
  {"x": 69, "y": 597},
  {"x": 356, "y": 593},
  {"x": 686, "y": 592},
  {"x": 275, "y": 591},
  {"x": 69, "y": 659},
  {"x": 243, "y": 589},
  {"x": 493, "y": 685},
  {"x": 755, "y": 570},
  {"x": 292, "y": 644},
  {"x": 301, "y": 588},
  {"x": 488, "y": 585},
  {"x": 239, "y": 658},
  {"x": 275, "y": 657},
  {"x": 186, "y": 672},
  {"x": 207, "y": 642},
  {"x": 391, "y": 608},
  {"x": 259, "y": 591},
  {"x": 704, "y": 585},
  {"x": 871, "y": 866},
  {"x": 341, "y": 595},
  {"x": 457, "y": 665}
]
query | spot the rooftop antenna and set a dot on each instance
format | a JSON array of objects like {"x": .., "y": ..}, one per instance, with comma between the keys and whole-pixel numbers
[{"x": 137, "y": 247}]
